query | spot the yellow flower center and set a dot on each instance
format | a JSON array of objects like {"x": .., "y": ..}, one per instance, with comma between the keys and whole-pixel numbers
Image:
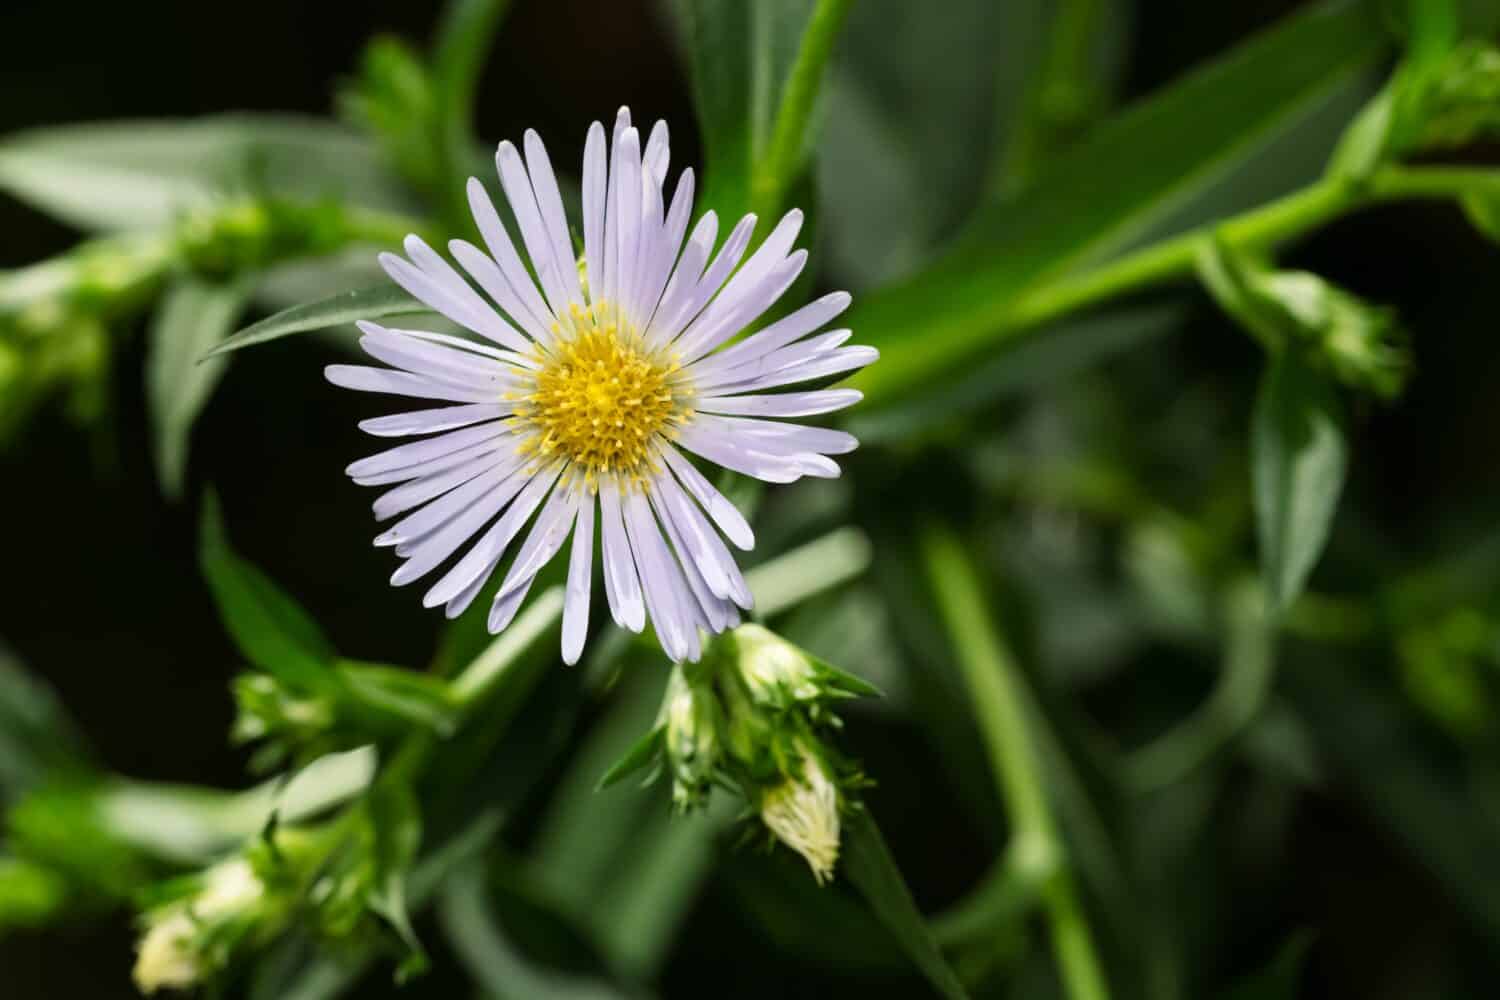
[{"x": 601, "y": 397}]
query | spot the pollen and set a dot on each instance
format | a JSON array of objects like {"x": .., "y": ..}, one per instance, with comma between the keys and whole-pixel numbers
[{"x": 601, "y": 397}]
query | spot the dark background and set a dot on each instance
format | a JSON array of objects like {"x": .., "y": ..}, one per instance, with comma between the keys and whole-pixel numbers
[{"x": 100, "y": 591}]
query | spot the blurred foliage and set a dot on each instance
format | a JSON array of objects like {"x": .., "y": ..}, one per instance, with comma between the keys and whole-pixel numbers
[{"x": 1181, "y": 699}]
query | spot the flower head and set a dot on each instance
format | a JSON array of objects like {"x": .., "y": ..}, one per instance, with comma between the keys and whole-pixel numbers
[{"x": 597, "y": 377}]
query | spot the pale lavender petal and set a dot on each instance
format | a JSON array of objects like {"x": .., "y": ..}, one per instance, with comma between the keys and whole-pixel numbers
[
  {"x": 813, "y": 348},
  {"x": 708, "y": 551},
  {"x": 518, "y": 192},
  {"x": 673, "y": 616},
  {"x": 483, "y": 269},
  {"x": 684, "y": 280},
  {"x": 549, "y": 202},
  {"x": 622, "y": 584},
  {"x": 595, "y": 195},
  {"x": 725, "y": 514},
  {"x": 438, "y": 545},
  {"x": 710, "y": 281},
  {"x": 367, "y": 379},
  {"x": 658, "y": 154},
  {"x": 435, "y": 282},
  {"x": 780, "y": 333},
  {"x": 745, "y": 285},
  {"x": 503, "y": 610},
  {"x": 735, "y": 456},
  {"x": 756, "y": 298},
  {"x": 778, "y": 437},
  {"x": 664, "y": 254},
  {"x": 499, "y": 485},
  {"x": 824, "y": 365},
  {"x": 436, "y": 361},
  {"x": 575, "y": 624},
  {"x": 709, "y": 609},
  {"x": 784, "y": 404},
  {"x": 431, "y": 421},
  {"x": 646, "y": 252},
  {"x": 433, "y": 466},
  {"x": 627, "y": 231},
  {"x": 505, "y": 255},
  {"x": 548, "y": 534},
  {"x": 416, "y": 492},
  {"x": 417, "y": 452},
  {"x": 481, "y": 560}
]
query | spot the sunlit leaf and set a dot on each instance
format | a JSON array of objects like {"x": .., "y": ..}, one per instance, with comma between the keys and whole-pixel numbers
[
  {"x": 193, "y": 317},
  {"x": 1299, "y": 458}
]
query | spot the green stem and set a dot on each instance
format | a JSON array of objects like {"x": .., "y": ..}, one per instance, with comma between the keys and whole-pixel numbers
[
  {"x": 993, "y": 680},
  {"x": 783, "y": 154},
  {"x": 1266, "y": 228}
]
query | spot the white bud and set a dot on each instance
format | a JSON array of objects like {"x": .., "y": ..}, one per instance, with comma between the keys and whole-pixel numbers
[
  {"x": 803, "y": 813},
  {"x": 168, "y": 955}
]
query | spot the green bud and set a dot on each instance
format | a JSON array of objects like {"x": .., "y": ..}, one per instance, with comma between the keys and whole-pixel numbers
[
  {"x": 777, "y": 674},
  {"x": 690, "y": 723},
  {"x": 30, "y": 894}
]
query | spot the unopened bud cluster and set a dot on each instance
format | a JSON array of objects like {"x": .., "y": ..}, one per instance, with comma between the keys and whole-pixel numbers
[{"x": 753, "y": 716}]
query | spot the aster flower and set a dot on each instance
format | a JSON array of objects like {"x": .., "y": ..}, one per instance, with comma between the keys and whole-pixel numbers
[{"x": 595, "y": 380}]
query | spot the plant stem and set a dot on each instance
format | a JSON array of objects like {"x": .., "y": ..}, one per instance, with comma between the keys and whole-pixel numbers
[
  {"x": 994, "y": 683},
  {"x": 783, "y": 154}
]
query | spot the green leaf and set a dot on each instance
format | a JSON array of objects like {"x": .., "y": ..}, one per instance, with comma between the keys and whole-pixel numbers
[
  {"x": 497, "y": 965},
  {"x": 1281, "y": 978},
  {"x": 1144, "y": 173},
  {"x": 194, "y": 316},
  {"x": 640, "y": 756},
  {"x": 396, "y": 825},
  {"x": 739, "y": 57},
  {"x": 144, "y": 174},
  {"x": 37, "y": 737},
  {"x": 398, "y": 693},
  {"x": 869, "y": 867},
  {"x": 271, "y": 630},
  {"x": 336, "y": 310},
  {"x": 1299, "y": 459}
]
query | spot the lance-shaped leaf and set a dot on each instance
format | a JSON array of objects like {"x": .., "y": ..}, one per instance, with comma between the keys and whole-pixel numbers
[
  {"x": 1299, "y": 459},
  {"x": 336, "y": 310}
]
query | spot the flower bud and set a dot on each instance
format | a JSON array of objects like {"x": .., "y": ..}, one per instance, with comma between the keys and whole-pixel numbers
[
  {"x": 803, "y": 813},
  {"x": 178, "y": 948},
  {"x": 776, "y": 673},
  {"x": 690, "y": 720}
]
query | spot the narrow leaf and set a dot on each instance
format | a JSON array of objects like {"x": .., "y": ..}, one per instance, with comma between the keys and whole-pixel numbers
[
  {"x": 869, "y": 867},
  {"x": 345, "y": 307},
  {"x": 194, "y": 316},
  {"x": 1299, "y": 459},
  {"x": 1147, "y": 172},
  {"x": 271, "y": 630}
]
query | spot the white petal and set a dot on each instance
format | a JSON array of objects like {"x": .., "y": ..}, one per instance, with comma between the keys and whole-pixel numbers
[
  {"x": 658, "y": 154},
  {"x": 783, "y": 404},
  {"x": 627, "y": 221},
  {"x": 575, "y": 625},
  {"x": 829, "y": 363},
  {"x": 435, "y": 282},
  {"x": 431, "y": 421},
  {"x": 503, "y": 610},
  {"x": 442, "y": 463},
  {"x": 707, "y": 550},
  {"x": 776, "y": 437},
  {"x": 497, "y": 286},
  {"x": 661, "y": 582},
  {"x": 437, "y": 362},
  {"x": 739, "y": 457},
  {"x": 425, "y": 450},
  {"x": 517, "y": 185},
  {"x": 780, "y": 333},
  {"x": 438, "y": 545},
  {"x": 711, "y": 280},
  {"x": 709, "y": 609},
  {"x": 622, "y": 584},
  {"x": 497, "y": 485},
  {"x": 509, "y": 261},
  {"x": 549, "y": 202},
  {"x": 752, "y": 300},
  {"x": 418, "y": 491},
  {"x": 480, "y": 561},
  {"x": 595, "y": 195},
  {"x": 664, "y": 255},
  {"x": 366, "y": 379},
  {"x": 684, "y": 280},
  {"x": 725, "y": 514},
  {"x": 548, "y": 534}
]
